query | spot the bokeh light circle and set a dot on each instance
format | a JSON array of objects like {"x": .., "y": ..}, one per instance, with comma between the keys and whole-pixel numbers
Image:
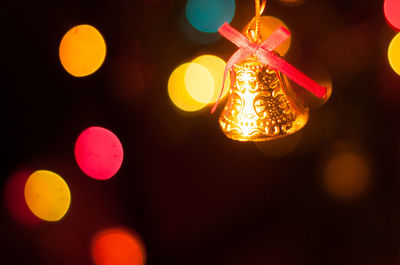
[
  {"x": 47, "y": 195},
  {"x": 391, "y": 9},
  {"x": 268, "y": 25},
  {"x": 178, "y": 93},
  {"x": 209, "y": 15},
  {"x": 98, "y": 152},
  {"x": 117, "y": 246},
  {"x": 216, "y": 67},
  {"x": 394, "y": 53},
  {"x": 82, "y": 50},
  {"x": 199, "y": 83},
  {"x": 346, "y": 175},
  {"x": 15, "y": 199},
  {"x": 197, "y": 36}
]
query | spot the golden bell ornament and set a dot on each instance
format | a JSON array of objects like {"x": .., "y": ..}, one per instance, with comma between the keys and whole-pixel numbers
[{"x": 261, "y": 104}]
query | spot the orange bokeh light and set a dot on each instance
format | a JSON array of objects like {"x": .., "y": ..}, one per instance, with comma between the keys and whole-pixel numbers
[
  {"x": 117, "y": 246},
  {"x": 82, "y": 50},
  {"x": 347, "y": 175},
  {"x": 268, "y": 25}
]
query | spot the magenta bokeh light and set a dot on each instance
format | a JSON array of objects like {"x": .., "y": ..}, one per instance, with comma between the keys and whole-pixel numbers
[
  {"x": 98, "y": 153},
  {"x": 15, "y": 199},
  {"x": 391, "y": 9}
]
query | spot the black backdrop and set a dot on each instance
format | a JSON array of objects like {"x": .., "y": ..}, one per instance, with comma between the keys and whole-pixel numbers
[{"x": 193, "y": 195}]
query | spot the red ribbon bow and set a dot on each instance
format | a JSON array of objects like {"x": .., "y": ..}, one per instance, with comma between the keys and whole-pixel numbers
[{"x": 264, "y": 52}]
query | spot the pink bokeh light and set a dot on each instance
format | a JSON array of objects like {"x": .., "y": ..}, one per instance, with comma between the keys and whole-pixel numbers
[
  {"x": 391, "y": 9},
  {"x": 98, "y": 153},
  {"x": 15, "y": 199}
]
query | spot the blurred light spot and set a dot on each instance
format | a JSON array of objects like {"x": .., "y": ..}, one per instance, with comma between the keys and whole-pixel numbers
[
  {"x": 216, "y": 67},
  {"x": 319, "y": 74},
  {"x": 117, "y": 247},
  {"x": 195, "y": 35},
  {"x": 47, "y": 195},
  {"x": 209, "y": 15},
  {"x": 292, "y": 2},
  {"x": 82, "y": 50},
  {"x": 178, "y": 93},
  {"x": 15, "y": 198},
  {"x": 281, "y": 146},
  {"x": 394, "y": 53},
  {"x": 346, "y": 175},
  {"x": 391, "y": 9},
  {"x": 98, "y": 153},
  {"x": 268, "y": 25},
  {"x": 199, "y": 83}
]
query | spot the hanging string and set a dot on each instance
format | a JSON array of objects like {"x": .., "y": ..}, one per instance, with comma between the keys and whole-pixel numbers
[{"x": 253, "y": 30}]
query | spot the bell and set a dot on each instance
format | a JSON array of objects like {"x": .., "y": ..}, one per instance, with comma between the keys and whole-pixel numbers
[{"x": 261, "y": 104}]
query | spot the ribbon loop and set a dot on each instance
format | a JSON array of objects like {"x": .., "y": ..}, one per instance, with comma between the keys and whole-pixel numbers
[
  {"x": 264, "y": 52},
  {"x": 233, "y": 35},
  {"x": 277, "y": 38}
]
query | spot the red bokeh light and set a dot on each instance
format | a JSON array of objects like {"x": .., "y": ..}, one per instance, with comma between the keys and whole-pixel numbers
[
  {"x": 117, "y": 246},
  {"x": 15, "y": 199},
  {"x": 98, "y": 153},
  {"x": 391, "y": 9}
]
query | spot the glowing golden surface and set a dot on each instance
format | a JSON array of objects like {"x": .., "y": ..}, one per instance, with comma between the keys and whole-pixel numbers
[{"x": 260, "y": 106}]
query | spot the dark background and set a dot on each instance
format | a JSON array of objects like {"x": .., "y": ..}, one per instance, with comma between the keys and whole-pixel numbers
[{"x": 195, "y": 196}]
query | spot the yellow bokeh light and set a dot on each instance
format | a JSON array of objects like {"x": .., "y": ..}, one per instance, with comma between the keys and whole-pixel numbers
[
  {"x": 346, "y": 175},
  {"x": 82, "y": 50},
  {"x": 178, "y": 93},
  {"x": 216, "y": 67},
  {"x": 199, "y": 83},
  {"x": 394, "y": 53},
  {"x": 268, "y": 25},
  {"x": 47, "y": 195}
]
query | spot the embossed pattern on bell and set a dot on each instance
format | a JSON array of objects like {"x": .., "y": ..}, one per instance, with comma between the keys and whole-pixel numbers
[{"x": 260, "y": 106}]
